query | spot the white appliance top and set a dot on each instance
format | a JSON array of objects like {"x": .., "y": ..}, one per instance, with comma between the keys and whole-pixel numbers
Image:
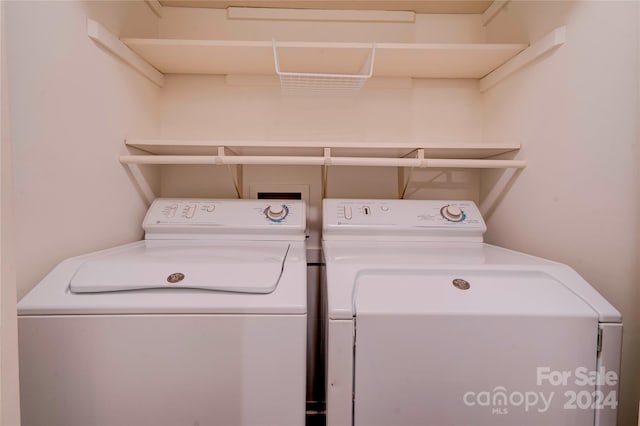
[
  {"x": 198, "y": 256},
  {"x": 372, "y": 257},
  {"x": 225, "y": 219},
  {"x": 53, "y": 295},
  {"x": 401, "y": 220}
]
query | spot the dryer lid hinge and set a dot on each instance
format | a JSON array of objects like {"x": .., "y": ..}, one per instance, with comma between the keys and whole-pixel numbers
[{"x": 599, "y": 344}]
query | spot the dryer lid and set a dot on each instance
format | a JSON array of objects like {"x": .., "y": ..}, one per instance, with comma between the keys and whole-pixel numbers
[
  {"x": 467, "y": 292},
  {"x": 233, "y": 267}
]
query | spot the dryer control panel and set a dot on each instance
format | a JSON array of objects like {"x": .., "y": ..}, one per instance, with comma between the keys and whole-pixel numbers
[
  {"x": 415, "y": 220},
  {"x": 229, "y": 219}
]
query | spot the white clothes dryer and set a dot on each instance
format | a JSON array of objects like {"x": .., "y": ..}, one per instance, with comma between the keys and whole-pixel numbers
[
  {"x": 428, "y": 325},
  {"x": 202, "y": 323}
]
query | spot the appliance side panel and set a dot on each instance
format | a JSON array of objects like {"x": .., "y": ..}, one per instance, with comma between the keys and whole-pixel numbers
[
  {"x": 163, "y": 370},
  {"x": 340, "y": 372},
  {"x": 609, "y": 374}
]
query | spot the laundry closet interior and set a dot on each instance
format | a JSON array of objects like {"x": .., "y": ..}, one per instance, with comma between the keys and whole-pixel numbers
[{"x": 528, "y": 108}]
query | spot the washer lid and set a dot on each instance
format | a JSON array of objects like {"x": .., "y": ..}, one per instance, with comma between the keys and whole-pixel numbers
[{"x": 234, "y": 267}]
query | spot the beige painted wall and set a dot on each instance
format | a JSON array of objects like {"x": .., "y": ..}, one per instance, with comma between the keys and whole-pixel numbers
[
  {"x": 72, "y": 104},
  {"x": 187, "y": 23},
  {"x": 576, "y": 113},
  {"x": 9, "y": 380}
]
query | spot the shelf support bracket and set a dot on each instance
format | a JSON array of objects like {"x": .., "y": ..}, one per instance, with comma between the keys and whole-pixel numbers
[
  {"x": 493, "y": 11},
  {"x": 98, "y": 33},
  {"x": 140, "y": 181},
  {"x": 498, "y": 191},
  {"x": 403, "y": 182},
  {"x": 547, "y": 43},
  {"x": 155, "y": 6},
  {"x": 235, "y": 171},
  {"x": 325, "y": 170},
  {"x": 142, "y": 185}
]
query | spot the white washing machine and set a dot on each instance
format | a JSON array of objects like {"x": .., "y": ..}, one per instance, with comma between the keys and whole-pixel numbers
[
  {"x": 202, "y": 323},
  {"x": 427, "y": 325}
]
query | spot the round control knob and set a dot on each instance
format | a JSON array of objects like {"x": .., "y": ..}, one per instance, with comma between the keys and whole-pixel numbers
[
  {"x": 452, "y": 213},
  {"x": 276, "y": 213}
]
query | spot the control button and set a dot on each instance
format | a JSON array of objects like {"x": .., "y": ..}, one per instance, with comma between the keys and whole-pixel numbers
[
  {"x": 189, "y": 211},
  {"x": 384, "y": 208},
  {"x": 348, "y": 214},
  {"x": 366, "y": 210},
  {"x": 452, "y": 213},
  {"x": 276, "y": 213},
  {"x": 170, "y": 211}
]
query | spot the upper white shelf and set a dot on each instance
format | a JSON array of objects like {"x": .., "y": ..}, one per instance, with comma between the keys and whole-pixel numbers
[
  {"x": 418, "y": 6},
  {"x": 488, "y": 62},
  {"x": 419, "y": 60}
]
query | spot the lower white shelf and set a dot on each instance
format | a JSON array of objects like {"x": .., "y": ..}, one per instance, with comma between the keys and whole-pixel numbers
[
  {"x": 323, "y": 161},
  {"x": 463, "y": 156}
]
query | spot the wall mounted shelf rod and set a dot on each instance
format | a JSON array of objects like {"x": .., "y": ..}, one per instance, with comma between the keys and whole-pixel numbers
[{"x": 323, "y": 161}]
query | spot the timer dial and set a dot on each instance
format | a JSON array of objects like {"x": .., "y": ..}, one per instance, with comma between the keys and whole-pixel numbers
[
  {"x": 452, "y": 213},
  {"x": 276, "y": 213}
]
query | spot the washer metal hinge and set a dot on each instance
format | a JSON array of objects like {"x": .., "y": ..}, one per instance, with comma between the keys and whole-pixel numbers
[{"x": 599, "y": 346}]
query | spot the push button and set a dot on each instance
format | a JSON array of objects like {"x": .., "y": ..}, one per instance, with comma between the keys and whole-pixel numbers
[{"x": 348, "y": 213}]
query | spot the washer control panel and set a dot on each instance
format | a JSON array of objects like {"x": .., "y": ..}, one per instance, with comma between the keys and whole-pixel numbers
[
  {"x": 402, "y": 219},
  {"x": 205, "y": 218}
]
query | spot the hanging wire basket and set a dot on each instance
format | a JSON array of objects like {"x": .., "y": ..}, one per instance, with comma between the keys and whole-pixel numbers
[{"x": 324, "y": 84}]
